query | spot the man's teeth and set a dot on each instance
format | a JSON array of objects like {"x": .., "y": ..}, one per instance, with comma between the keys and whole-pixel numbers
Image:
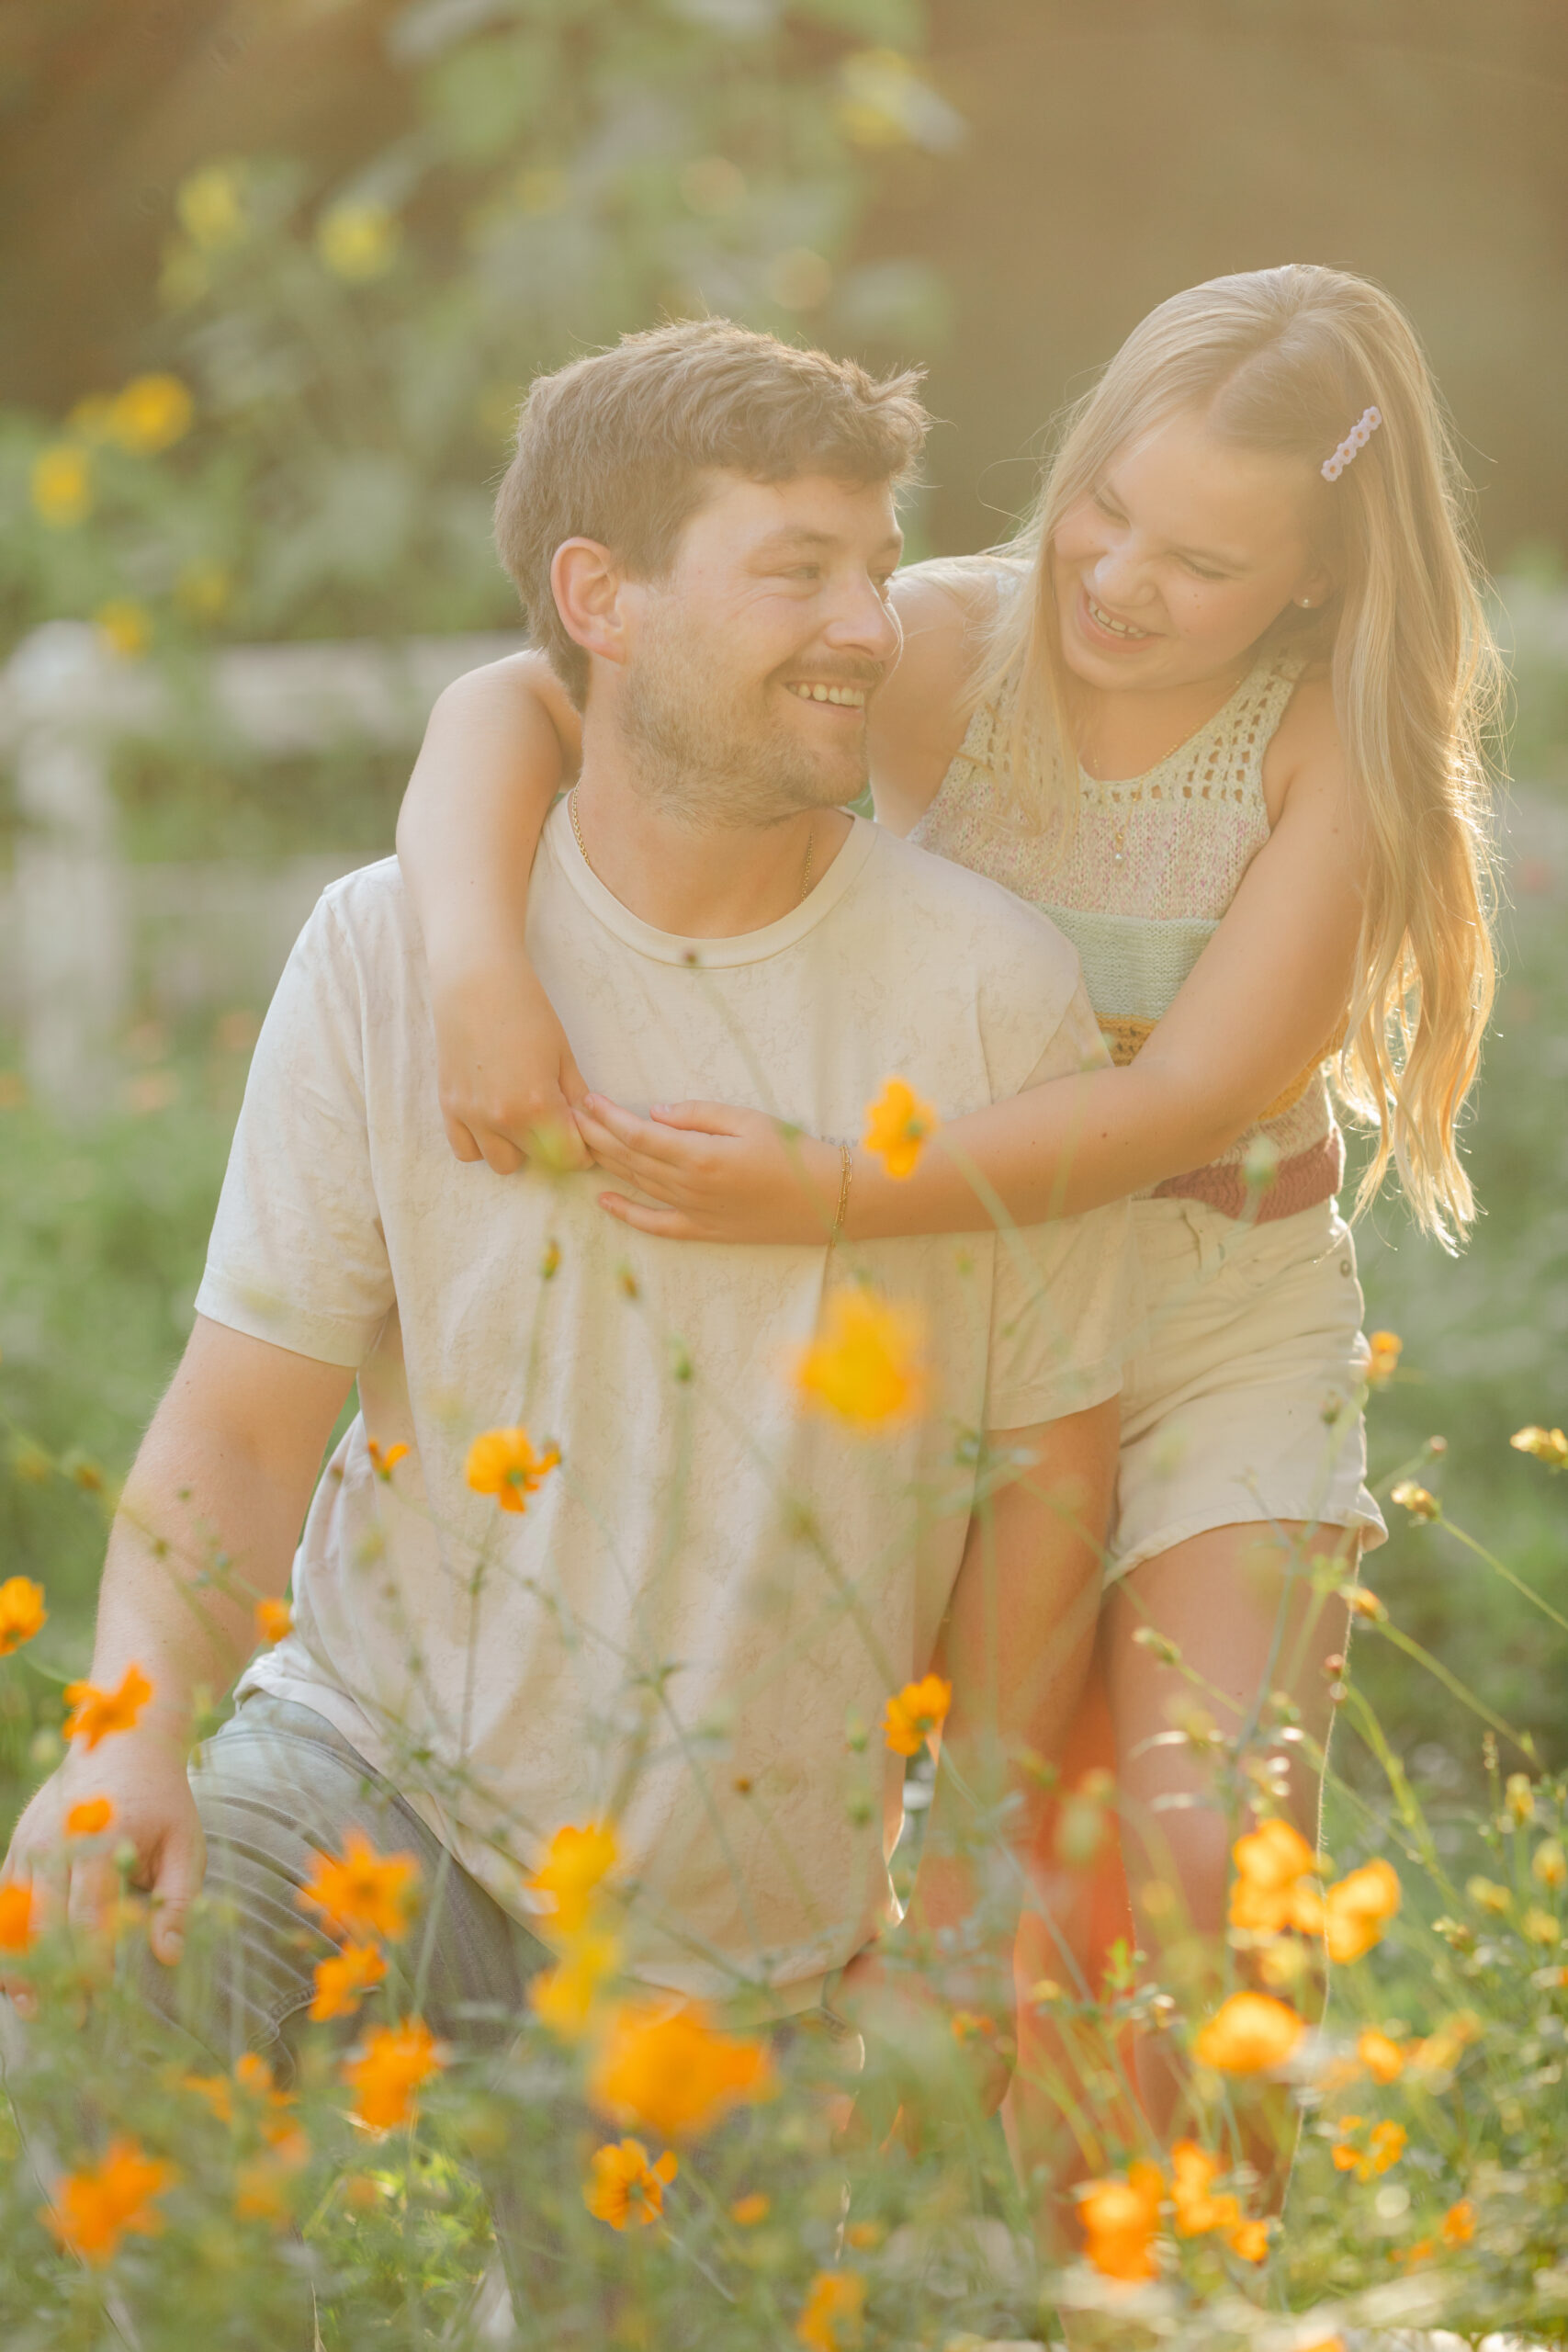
[
  {"x": 1120, "y": 628},
  {"x": 852, "y": 698}
]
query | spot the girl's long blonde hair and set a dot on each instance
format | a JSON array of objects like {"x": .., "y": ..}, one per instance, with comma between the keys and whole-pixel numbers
[{"x": 1285, "y": 361}]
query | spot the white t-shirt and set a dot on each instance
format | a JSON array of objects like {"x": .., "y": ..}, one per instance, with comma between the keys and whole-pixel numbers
[{"x": 714, "y": 1590}]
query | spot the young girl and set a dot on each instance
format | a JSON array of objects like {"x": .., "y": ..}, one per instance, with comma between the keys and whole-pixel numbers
[{"x": 1216, "y": 711}]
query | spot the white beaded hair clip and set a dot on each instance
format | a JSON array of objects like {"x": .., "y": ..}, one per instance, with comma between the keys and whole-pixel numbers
[{"x": 1361, "y": 433}]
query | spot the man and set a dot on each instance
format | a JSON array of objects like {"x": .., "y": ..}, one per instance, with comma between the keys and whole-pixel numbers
[{"x": 659, "y": 1591}]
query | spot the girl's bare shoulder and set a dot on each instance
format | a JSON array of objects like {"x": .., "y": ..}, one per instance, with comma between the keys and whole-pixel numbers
[
  {"x": 1306, "y": 756},
  {"x": 920, "y": 717}
]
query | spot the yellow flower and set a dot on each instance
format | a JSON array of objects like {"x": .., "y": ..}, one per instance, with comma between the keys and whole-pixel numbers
[
  {"x": 92, "y": 2210},
  {"x": 624, "y": 2186},
  {"x": 748, "y": 2210},
  {"x": 99, "y": 1714},
  {"x": 832, "y": 2317},
  {"x": 343, "y": 1981},
  {"x": 1386, "y": 1348},
  {"x": 897, "y": 1126},
  {"x": 666, "y": 2067},
  {"x": 1416, "y": 1500},
  {"x": 389, "y": 2069},
  {"x": 1539, "y": 1927},
  {"x": 203, "y": 591},
  {"x": 18, "y": 1915},
  {"x": 1519, "y": 1796},
  {"x": 1487, "y": 1895},
  {"x": 90, "y": 1818},
  {"x": 1386, "y": 2143},
  {"x": 151, "y": 413},
  {"x": 576, "y": 1863},
  {"x": 1121, "y": 2221},
  {"x": 1550, "y": 1446},
  {"x": 502, "y": 1462},
  {"x": 1384, "y": 2059},
  {"x": 866, "y": 1364},
  {"x": 1364, "y": 1603},
  {"x": 916, "y": 1714},
  {"x": 125, "y": 626},
  {"x": 274, "y": 1618},
  {"x": 211, "y": 207},
  {"x": 358, "y": 240},
  {"x": 1458, "y": 2223},
  {"x": 563, "y": 1997},
  {"x": 1250, "y": 2033},
  {"x": 22, "y": 1612},
  {"x": 362, "y": 1892},
  {"x": 61, "y": 485},
  {"x": 1549, "y": 1865}
]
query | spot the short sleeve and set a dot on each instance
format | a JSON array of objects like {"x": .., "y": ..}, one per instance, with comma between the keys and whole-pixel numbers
[
  {"x": 1063, "y": 1298},
  {"x": 298, "y": 1255}
]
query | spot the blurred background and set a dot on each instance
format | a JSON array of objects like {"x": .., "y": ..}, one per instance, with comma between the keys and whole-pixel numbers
[{"x": 274, "y": 273}]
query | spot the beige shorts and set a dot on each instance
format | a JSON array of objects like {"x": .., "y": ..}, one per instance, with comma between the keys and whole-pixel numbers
[{"x": 1240, "y": 1406}]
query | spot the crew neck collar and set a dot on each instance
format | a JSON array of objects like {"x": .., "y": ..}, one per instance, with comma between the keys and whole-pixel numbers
[{"x": 710, "y": 955}]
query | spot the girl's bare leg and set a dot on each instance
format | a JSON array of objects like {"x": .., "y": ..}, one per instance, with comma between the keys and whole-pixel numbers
[{"x": 1240, "y": 1606}]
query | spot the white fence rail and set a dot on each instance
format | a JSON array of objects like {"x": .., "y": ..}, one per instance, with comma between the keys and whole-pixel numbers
[{"x": 85, "y": 936}]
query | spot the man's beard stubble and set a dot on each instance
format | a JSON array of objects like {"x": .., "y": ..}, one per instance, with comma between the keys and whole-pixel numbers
[{"x": 709, "y": 752}]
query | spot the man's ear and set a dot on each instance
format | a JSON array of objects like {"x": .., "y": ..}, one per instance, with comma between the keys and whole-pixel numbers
[{"x": 587, "y": 581}]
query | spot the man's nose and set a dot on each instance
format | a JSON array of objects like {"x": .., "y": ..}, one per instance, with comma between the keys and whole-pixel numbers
[{"x": 865, "y": 622}]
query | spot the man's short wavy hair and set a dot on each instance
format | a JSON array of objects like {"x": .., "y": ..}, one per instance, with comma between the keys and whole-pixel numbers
[{"x": 619, "y": 447}]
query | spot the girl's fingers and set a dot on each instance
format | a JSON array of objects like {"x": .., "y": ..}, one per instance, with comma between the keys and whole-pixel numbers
[
  {"x": 698, "y": 1118},
  {"x": 660, "y": 1144},
  {"x": 670, "y": 1225}
]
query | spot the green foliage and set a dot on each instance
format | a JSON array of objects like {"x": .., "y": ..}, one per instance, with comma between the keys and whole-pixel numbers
[{"x": 565, "y": 170}]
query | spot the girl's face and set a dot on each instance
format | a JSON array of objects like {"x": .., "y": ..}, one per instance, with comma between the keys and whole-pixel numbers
[{"x": 1181, "y": 556}]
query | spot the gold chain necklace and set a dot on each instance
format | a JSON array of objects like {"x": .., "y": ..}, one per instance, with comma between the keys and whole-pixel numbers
[{"x": 583, "y": 846}]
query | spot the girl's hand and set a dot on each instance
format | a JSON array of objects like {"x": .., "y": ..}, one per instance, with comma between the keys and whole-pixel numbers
[
  {"x": 717, "y": 1174},
  {"x": 510, "y": 1088}
]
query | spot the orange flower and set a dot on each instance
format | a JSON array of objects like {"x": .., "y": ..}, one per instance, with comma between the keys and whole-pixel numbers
[
  {"x": 748, "y": 2210},
  {"x": 90, "y": 1818},
  {"x": 273, "y": 1619},
  {"x": 1362, "y": 1601},
  {"x": 363, "y": 1892},
  {"x": 18, "y": 1915},
  {"x": 576, "y": 1862},
  {"x": 563, "y": 1998},
  {"x": 1386, "y": 1349},
  {"x": 1249, "y": 2240},
  {"x": 262, "y": 2191},
  {"x": 1356, "y": 1909},
  {"x": 1249, "y": 2034},
  {"x": 502, "y": 1462},
  {"x": 865, "y": 1366},
  {"x": 896, "y": 1126},
  {"x": 394, "y": 2062},
  {"x": 1550, "y": 1446},
  {"x": 1458, "y": 2223},
  {"x": 624, "y": 2186},
  {"x": 96, "y": 1714},
  {"x": 1386, "y": 2143},
  {"x": 915, "y": 1715},
  {"x": 1416, "y": 1500},
  {"x": 1384, "y": 2059},
  {"x": 343, "y": 1981},
  {"x": 92, "y": 2210},
  {"x": 22, "y": 1612},
  {"x": 1121, "y": 2221},
  {"x": 385, "y": 1463},
  {"x": 666, "y": 2067},
  {"x": 1192, "y": 2175},
  {"x": 831, "y": 2319},
  {"x": 1270, "y": 1864}
]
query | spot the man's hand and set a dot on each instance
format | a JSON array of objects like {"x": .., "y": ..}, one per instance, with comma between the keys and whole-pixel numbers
[
  {"x": 510, "y": 1088},
  {"x": 142, "y": 1774}
]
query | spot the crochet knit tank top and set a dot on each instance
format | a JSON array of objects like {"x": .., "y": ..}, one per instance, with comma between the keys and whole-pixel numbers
[{"x": 1154, "y": 862}]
